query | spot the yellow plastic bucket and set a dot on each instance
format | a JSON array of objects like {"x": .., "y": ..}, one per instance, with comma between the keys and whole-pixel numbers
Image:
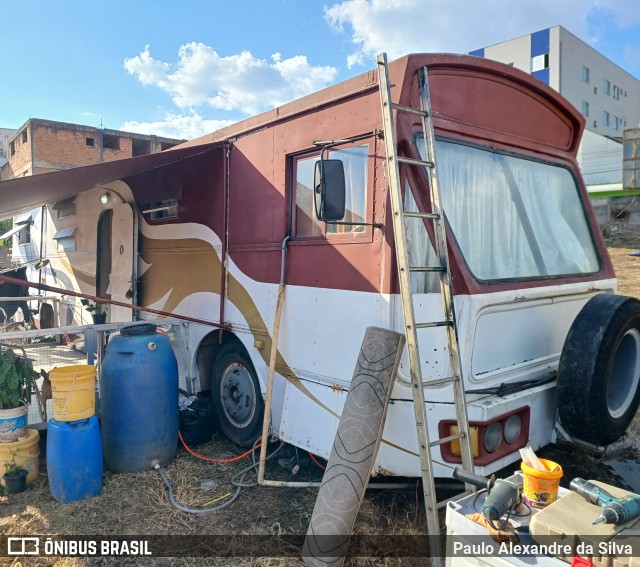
[
  {"x": 540, "y": 488},
  {"x": 74, "y": 392},
  {"x": 25, "y": 452}
]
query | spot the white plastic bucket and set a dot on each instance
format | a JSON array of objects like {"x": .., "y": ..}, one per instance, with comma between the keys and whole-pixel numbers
[{"x": 13, "y": 424}]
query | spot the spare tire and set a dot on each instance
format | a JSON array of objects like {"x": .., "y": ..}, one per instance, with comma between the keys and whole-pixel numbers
[{"x": 599, "y": 370}]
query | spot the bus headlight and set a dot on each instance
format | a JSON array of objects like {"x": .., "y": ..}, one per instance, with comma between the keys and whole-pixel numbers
[
  {"x": 512, "y": 428},
  {"x": 492, "y": 437}
]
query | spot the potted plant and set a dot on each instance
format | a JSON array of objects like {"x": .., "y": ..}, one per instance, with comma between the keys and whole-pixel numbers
[
  {"x": 15, "y": 477},
  {"x": 97, "y": 310},
  {"x": 16, "y": 380}
]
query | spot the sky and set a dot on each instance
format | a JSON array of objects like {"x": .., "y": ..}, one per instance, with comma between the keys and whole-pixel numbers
[{"x": 184, "y": 68}]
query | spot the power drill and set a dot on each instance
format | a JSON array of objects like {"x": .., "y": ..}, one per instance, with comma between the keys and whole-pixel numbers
[
  {"x": 614, "y": 510},
  {"x": 502, "y": 494}
]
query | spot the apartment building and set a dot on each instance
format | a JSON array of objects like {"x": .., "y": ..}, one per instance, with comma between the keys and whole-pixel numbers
[
  {"x": 43, "y": 146},
  {"x": 607, "y": 96}
]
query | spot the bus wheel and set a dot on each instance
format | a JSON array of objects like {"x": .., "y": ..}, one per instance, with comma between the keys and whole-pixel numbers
[
  {"x": 236, "y": 395},
  {"x": 599, "y": 370}
]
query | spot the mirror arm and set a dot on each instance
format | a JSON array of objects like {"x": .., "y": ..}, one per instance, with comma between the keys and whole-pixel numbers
[
  {"x": 327, "y": 144},
  {"x": 373, "y": 224}
]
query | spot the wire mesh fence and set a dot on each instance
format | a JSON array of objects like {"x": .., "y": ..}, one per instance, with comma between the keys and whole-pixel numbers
[{"x": 47, "y": 349}]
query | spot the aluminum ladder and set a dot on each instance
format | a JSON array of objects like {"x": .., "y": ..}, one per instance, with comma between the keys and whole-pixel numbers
[{"x": 405, "y": 269}]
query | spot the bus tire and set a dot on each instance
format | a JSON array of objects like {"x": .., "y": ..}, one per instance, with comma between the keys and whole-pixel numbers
[
  {"x": 599, "y": 369},
  {"x": 236, "y": 395}
]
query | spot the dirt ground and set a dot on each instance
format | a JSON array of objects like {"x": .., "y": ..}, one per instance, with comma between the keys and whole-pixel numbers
[{"x": 137, "y": 504}]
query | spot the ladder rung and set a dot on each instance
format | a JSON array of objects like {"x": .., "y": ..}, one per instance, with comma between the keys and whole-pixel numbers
[
  {"x": 443, "y": 503},
  {"x": 414, "y": 161},
  {"x": 427, "y": 269},
  {"x": 433, "y": 324},
  {"x": 411, "y": 109},
  {"x": 448, "y": 439},
  {"x": 420, "y": 215},
  {"x": 439, "y": 382}
]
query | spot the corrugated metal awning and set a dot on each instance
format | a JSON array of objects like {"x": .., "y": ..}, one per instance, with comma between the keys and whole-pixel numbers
[
  {"x": 27, "y": 193},
  {"x": 64, "y": 233},
  {"x": 16, "y": 228}
]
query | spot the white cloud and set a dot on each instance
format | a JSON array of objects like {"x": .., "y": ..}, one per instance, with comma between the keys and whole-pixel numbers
[
  {"x": 626, "y": 13},
  {"x": 185, "y": 127},
  {"x": 458, "y": 26},
  {"x": 235, "y": 82}
]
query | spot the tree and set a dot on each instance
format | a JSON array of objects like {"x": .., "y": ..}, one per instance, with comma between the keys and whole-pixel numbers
[{"x": 4, "y": 226}]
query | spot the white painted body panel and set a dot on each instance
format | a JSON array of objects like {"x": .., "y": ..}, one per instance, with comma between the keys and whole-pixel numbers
[
  {"x": 504, "y": 337},
  {"x": 527, "y": 348}
]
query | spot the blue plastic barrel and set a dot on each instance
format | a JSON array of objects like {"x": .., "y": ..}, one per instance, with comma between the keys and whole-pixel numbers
[
  {"x": 139, "y": 400},
  {"x": 74, "y": 459}
]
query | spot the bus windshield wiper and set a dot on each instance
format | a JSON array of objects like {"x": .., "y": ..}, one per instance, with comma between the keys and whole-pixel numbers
[{"x": 507, "y": 388}]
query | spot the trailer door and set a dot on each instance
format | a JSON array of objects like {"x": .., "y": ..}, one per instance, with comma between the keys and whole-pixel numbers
[{"x": 123, "y": 262}]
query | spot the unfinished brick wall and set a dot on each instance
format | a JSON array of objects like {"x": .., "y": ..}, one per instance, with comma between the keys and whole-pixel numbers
[
  {"x": 65, "y": 146},
  {"x": 19, "y": 152},
  {"x": 58, "y": 145},
  {"x": 125, "y": 150}
]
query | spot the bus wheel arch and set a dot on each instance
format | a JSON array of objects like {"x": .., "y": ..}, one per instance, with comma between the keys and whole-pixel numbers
[
  {"x": 208, "y": 350},
  {"x": 599, "y": 369}
]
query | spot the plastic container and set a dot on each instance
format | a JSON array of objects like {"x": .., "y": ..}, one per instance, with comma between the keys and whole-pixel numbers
[
  {"x": 74, "y": 459},
  {"x": 540, "y": 488},
  {"x": 139, "y": 400},
  {"x": 25, "y": 452},
  {"x": 13, "y": 423},
  {"x": 74, "y": 392}
]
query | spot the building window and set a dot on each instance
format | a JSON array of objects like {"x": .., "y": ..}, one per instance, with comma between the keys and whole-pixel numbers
[
  {"x": 24, "y": 136},
  {"x": 616, "y": 92},
  {"x": 585, "y": 108},
  {"x": 595, "y": 90},
  {"x": 607, "y": 87},
  {"x": 607, "y": 118},
  {"x": 616, "y": 123},
  {"x": 66, "y": 208},
  {"x": 12, "y": 148},
  {"x": 140, "y": 147},
  {"x": 90, "y": 142},
  {"x": 66, "y": 244},
  {"x": 356, "y": 163},
  {"x": 65, "y": 239},
  {"x": 160, "y": 210},
  {"x": 585, "y": 74},
  {"x": 24, "y": 234},
  {"x": 595, "y": 123},
  {"x": 111, "y": 142},
  {"x": 539, "y": 62}
]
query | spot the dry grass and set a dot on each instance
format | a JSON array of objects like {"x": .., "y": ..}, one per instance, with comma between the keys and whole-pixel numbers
[
  {"x": 137, "y": 504},
  {"x": 621, "y": 242}
]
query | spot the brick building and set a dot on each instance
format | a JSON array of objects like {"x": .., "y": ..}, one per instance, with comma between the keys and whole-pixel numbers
[
  {"x": 42, "y": 146},
  {"x": 5, "y": 135}
]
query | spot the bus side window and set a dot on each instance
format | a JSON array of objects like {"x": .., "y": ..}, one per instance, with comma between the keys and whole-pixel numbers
[{"x": 356, "y": 162}]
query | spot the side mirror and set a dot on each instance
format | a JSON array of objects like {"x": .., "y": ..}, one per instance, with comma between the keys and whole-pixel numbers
[{"x": 329, "y": 190}]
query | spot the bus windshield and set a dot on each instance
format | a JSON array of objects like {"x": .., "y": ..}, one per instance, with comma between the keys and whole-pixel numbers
[{"x": 513, "y": 218}]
